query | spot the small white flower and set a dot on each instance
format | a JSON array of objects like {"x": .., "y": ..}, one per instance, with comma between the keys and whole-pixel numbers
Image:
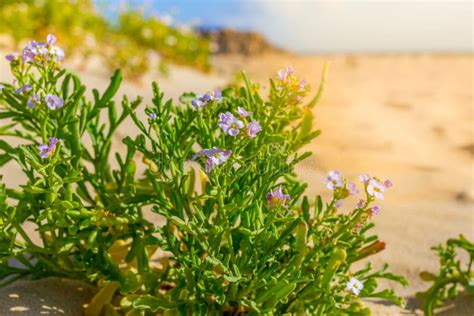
[
  {"x": 334, "y": 180},
  {"x": 376, "y": 188},
  {"x": 355, "y": 286}
]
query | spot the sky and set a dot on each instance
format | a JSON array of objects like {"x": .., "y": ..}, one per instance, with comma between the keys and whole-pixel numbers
[{"x": 331, "y": 26}]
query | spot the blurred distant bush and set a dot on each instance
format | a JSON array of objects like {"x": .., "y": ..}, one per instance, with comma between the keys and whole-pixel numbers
[{"x": 126, "y": 43}]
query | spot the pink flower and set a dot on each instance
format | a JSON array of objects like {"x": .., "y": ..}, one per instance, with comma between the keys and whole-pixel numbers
[
  {"x": 277, "y": 197},
  {"x": 50, "y": 39},
  {"x": 242, "y": 112},
  {"x": 374, "y": 210},
  {"x": 352, "y": 188},
  {"x": 215, "y": 157},
  {"x": 334, "y": 180},
  {"x": 33, "y": 101},
  {"x": 364, "y": 178},
  {"x": 338, "y": 203},
  {"x": 26, "y": 88},
  {"x": 57, "y": 52},
  {"x": 360, "y": 204},
  {"x": 388, "y": 183},
  {"x": 202, "y": 100},
  {"x": 253, "y": 128},
  {"x": 376, "y": 188},
  {"x": 53, "y": 101},
  {"x": 284, "y": 73},
  {"x": 302, "y": 85}
]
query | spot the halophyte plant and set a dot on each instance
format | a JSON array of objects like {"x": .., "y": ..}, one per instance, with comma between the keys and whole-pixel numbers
[
  {"x": 452, "y": 277},
  {"x": 238, "y": 235}
]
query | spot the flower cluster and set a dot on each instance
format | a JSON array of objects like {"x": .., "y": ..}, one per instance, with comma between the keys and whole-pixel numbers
[
  {"x": 342, "y": 188},
  {"x": 231, "y": 125},
  {"x": 215, "y": 157},
  {"x": 202, "y": 100},
  {"x": 290, "y": 86},
  {"x": 45, "y": 57},
  {"x": 39, "y": 52},
  {"x": 374, "y": 189}
]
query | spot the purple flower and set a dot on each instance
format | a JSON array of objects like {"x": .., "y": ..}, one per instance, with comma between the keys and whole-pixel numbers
[
  {"x": 302, "y": 85},
  {"x": 50, "y": 39},
  {"x": 374, "y": 210},
  {"x": 364, "y": 178},
  {"x": 338, "y": 203},
  {"x": 53, "y": 101},
  {"x": 57, "y": 53},
  {"x": 202, "y": 100},
  {"x": 360, "y": 204},
  {"x": 216, "y": 95},
  {"x": 388, "y": 183},
  {"x": 11, "y": 57},
  {"x": 376, "y": 188},
  {"x": 253, "y": 128},
  {"x": 34, "y": 49},
  {"x": 243, "y": 113},
  {"x": 230, "y": 124},
  {"x": 152, "y": 115},
  {"x": 333, "y": 180},
  {"x": 198, "y": 102},
  {"x": 277, "y": 197},
  {"x": 355, "y": 286},
  {"x": 284, "y": 73},
  {"x": 27, "y": 87},
  {"x": 352, "y": 188},
  {"x": 33, "y": 100},
  {"x": 44, "y": 51},
  {"x": 47, "y": 149},
  {"x": 54, "y": 51},
  {"x": 215, "y": 157}
]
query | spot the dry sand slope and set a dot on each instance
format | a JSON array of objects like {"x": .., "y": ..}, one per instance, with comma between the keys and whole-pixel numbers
[{"x": 404, "y": 117}]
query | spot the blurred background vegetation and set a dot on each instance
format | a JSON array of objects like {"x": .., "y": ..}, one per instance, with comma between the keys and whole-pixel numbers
[{"x": 126, "y": 42}]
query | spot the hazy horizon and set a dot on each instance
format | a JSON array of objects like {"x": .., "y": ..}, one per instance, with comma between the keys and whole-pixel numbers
[{"x": 325, "y": 26}]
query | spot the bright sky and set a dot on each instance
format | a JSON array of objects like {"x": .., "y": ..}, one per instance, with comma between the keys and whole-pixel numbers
[{"x": 334, "y": 25}]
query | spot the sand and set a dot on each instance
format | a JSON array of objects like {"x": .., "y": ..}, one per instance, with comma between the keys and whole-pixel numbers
[{"x": 404, "y": 117}]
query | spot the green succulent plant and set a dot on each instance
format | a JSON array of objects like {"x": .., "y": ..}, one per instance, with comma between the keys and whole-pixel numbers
[{"x": 238, "y": 235}]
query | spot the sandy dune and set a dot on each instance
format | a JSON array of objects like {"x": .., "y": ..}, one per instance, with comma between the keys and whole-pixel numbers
[{"x": 404, "y": 117}]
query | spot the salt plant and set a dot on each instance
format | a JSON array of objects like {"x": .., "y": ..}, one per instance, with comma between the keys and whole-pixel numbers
[
  {"x": 453, "y": 275},
  {"x": 238, "y": 235},
  {"x": 71, "y": 196}
]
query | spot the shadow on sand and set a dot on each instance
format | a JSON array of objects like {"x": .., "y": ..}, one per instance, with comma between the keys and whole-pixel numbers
[{"x": 50, "y": 296}]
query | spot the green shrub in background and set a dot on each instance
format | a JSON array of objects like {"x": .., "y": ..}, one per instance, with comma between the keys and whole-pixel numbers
[
  {"x": 126, "y": 43},
  {"x": 239, "y": 236},
  {"x": 452, "y": 276}
]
